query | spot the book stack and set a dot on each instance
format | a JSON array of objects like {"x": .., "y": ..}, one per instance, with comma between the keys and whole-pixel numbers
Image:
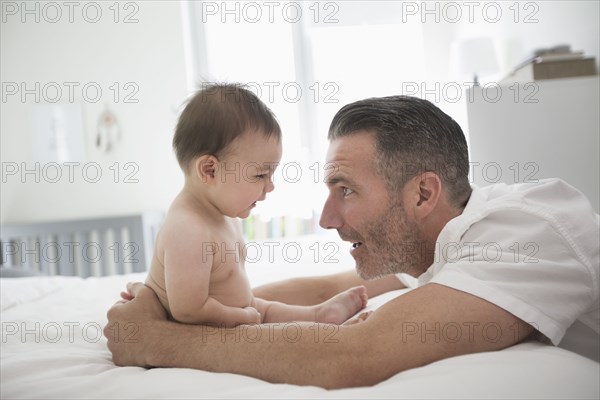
[
  {"x": 553, "y": 63},
  {"x": 255, "y": 228}
]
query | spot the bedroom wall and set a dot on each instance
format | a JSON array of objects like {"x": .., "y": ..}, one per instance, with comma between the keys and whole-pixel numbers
[
  {"x": 539, "y": 24},
  {"x": 551, "y": 23},
  {"x": 149, "y": 53},
  {"x": 558, "y": 22},
  {"x": 146, "y": 54}
]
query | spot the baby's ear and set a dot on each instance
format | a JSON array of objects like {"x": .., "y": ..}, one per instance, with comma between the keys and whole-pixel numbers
[{"x": 206, "y": 168}]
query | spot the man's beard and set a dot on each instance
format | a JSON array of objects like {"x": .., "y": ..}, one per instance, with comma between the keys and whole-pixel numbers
[{"x": 393, "y": 245}]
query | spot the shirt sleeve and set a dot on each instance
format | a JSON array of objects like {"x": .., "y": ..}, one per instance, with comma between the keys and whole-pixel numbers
[{"x": 521, "y": 263}]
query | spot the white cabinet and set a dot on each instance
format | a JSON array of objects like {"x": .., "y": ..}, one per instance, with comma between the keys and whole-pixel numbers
[{"x": 537, "y": 130}]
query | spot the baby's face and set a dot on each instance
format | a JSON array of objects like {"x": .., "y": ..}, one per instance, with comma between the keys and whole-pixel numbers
[{"x": 245, "y": 173}]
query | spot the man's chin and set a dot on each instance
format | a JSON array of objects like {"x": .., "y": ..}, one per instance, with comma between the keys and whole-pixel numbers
[
  {"x": 367, "y": 273},
  {"x": 380, "y": 270}
]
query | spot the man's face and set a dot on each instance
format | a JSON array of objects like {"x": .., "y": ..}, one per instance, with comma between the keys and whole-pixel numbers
[{"x": 364, "y": 213}]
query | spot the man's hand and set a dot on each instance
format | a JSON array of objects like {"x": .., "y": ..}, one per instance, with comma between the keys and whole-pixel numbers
[
  {"x": 360, "y": 318},
  {"x": 128, "y": 320}
]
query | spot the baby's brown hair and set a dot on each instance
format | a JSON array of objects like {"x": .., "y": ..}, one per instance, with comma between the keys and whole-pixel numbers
[{"x": 215, "y": 116}]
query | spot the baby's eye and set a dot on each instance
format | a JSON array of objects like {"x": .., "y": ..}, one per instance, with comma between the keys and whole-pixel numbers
[
  {"x": 261, "y": 176},
  {"x": 347, "y": 191}
]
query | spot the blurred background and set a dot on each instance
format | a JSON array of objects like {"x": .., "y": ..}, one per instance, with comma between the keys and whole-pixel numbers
[{"x": 91, "y": 91}]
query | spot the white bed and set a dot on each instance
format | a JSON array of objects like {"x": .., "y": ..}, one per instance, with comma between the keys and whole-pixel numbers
[{"x": 52, "y": 347}]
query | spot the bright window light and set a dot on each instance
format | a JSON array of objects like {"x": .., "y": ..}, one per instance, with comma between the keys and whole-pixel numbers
[{"x": 304, "y": 69}]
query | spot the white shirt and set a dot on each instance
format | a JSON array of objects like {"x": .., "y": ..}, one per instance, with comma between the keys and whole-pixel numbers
[{"x": 532, "y": 249}]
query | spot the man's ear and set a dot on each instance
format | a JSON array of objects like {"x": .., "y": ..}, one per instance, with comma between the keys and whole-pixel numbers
[
  {"x": 428, "y": 189},
  {"x": 205, "y": 168}
]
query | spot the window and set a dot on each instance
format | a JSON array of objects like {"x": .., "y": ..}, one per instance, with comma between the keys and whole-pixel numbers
[{"x": 305, "y": 60}]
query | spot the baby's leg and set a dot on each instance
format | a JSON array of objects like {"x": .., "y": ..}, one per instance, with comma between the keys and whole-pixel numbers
[{"x": 334, "y": 311}]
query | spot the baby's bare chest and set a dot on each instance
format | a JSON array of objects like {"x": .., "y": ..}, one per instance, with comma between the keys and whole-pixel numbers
[{"x": 228, "y": 279}]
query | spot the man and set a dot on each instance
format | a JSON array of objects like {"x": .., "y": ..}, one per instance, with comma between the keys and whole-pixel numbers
[{"x": 495, "y": 265}]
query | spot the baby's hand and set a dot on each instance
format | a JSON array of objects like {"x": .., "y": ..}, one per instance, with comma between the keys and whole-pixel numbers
[{"x": 253, "y": 315}]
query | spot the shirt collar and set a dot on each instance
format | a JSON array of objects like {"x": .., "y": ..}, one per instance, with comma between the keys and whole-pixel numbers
[{"x": 454, "y": 229}]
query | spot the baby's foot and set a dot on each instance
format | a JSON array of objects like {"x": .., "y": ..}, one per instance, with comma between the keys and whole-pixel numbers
[{"x": 342, "y": 306}]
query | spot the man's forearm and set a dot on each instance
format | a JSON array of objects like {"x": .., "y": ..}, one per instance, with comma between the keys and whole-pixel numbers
[
  {"x": 298, "y": 353},
  {"x": 298, "y": 291},
  {"x": 315, "y": 290},
  {"x": 404, "y": 333}
]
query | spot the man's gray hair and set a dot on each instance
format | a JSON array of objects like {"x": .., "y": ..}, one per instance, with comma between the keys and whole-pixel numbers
[{"x": 412, "y": 136}]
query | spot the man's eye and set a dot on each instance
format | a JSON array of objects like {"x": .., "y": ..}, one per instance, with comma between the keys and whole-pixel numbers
[{"x": 347, "y": 191}]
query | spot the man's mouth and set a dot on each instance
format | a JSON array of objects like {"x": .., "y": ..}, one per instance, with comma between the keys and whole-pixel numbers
[
  {"x": 354, "y": 250},
  {"x": 349, "y": 237}
]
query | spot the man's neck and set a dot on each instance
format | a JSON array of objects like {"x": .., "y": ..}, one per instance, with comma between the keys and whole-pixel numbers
[{"x": 431, "y": 229}]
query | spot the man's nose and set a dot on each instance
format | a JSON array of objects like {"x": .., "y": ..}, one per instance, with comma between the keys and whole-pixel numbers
[{"x": 330, "y": 217}]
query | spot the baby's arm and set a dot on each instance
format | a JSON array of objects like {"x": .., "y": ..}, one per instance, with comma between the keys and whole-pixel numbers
[{"x": 188, "y": 262}]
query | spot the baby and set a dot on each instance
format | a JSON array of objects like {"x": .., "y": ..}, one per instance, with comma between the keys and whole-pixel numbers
[{"x": 228, "y": 144}]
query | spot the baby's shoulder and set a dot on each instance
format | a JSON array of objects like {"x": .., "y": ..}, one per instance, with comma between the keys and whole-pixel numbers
[{"x": 181, "y": 222}]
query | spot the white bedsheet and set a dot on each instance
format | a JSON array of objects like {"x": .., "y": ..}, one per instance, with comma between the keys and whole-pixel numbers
[{"x": 52, "y": 347}]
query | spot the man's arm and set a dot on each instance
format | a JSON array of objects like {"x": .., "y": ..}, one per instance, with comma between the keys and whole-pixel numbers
[
  {"x": 315, "y": 290},
  {"x": 427, "y": 324}
]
